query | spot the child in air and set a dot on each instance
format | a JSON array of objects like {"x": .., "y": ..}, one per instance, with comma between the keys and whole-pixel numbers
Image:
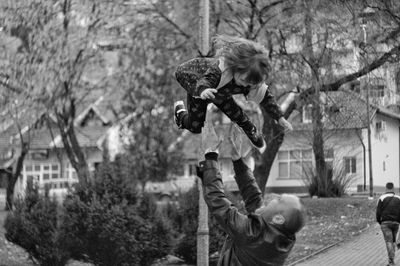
[{"x": 239, "y": 66}]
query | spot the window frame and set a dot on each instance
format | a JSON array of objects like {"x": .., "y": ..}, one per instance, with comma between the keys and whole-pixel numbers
[
  {"x": 291, "y": 163},
  {"x": 352, "y": 164}
]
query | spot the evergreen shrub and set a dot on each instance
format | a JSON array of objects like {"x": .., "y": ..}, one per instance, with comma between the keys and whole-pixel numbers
[
  {"x": 34, "y": 225},
  {"x": 110, "y": 223}
]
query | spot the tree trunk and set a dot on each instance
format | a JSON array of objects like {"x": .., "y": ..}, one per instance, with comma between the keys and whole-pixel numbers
[
  {"x": 274, "y": 138},
  {"x": 11, "y": 180},
  {"x": 13, "y": 177},
  {"x": 65, "y": 121},
  {"x": 318, "y": 148},
  {"x": 264, "y": 162}
]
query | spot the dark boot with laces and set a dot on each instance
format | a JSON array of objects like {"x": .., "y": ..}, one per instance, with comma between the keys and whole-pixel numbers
[
  {"x": 179, "y": 111},
  {"x": 256, "y": 138}
]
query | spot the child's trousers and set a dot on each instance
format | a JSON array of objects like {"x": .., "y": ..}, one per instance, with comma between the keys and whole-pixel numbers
[{"x": 197, "y": 110}]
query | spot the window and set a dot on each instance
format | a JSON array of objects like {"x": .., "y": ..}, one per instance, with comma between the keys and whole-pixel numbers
[
  {"x": 380, "y": 126},
  {"x": 294, "y": 163},
  {"x": 42, "y": 172},
  {"x": 398, "y": 83},
  {"x": 70, "y": 172},
  {"x": 39, "y": 154},
  {"x": 350, "y": 165},
  {"x": 376, "y": 91},
  {"x": 192, "y": 169},
  {"x": 307, "y": 113}
]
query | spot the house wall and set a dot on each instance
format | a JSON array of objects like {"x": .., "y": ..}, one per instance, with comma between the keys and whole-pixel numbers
[
  {"x": 385, "y": 153},
  {"x": 345, "y": 143},
  {"x": 54, "y": 170}
]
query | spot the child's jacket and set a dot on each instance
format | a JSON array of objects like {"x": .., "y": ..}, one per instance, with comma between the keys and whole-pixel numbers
[{"x": 198, "y": 74}]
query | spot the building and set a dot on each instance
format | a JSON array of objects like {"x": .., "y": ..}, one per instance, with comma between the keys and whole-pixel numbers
[
  {"x": 47, "y": 163},
  {"x": 346, "y": 147}
]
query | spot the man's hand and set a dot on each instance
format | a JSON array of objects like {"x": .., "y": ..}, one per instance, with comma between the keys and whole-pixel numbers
[
  {"x": 210, "y": 141},
  {"x": 285, "y": 124},
  {"x": 239, "y": 148},
  {"x": 208, "y": 94}
]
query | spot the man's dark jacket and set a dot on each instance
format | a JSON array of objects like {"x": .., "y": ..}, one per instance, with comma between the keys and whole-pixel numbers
[
  {"x": 388, "y": 208},
  {"x": 251, "y": 240}
]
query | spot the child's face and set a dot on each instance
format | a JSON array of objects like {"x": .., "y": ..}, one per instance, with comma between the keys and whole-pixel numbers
[{"x": 241, "y": 79}]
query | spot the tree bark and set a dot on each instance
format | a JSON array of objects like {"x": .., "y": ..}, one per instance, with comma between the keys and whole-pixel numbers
[
  {"x": 65, "y": 121},
  {"x": 13, "y": 177}
]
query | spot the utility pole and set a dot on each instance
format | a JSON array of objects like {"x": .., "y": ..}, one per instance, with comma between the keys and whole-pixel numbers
[
  {"x": 202, "y": 230},
  {"x": 371, "y": 180}
]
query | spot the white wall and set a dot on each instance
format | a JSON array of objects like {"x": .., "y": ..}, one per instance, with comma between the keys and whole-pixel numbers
[
  {"x": 385, "y": 152},
  {"x": 345, "y": 143}
]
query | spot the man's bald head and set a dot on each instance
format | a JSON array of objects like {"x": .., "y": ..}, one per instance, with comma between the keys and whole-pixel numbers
[{"x": 286, "y": 213}]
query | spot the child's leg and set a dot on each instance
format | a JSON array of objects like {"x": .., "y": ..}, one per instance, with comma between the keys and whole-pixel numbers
[
  {"x": 193, "y": 119},
  {"x": 229, "y": 107}
]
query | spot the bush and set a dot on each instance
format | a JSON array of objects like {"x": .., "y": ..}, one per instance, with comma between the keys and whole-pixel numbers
[
  {"x": 334, "y": 184},
  {"x": 34, "y": 225},
  {"x": 110, "y": 223}
]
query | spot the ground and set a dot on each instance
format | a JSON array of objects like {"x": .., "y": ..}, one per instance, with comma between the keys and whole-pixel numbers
[{"x": 329, "y": 221}]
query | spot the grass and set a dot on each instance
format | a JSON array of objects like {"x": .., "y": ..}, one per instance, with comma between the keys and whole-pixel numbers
[{"x": 329, "y": 221}]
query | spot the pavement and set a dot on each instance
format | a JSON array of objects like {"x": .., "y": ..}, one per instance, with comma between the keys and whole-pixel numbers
[{"x": 366, "y": 249}]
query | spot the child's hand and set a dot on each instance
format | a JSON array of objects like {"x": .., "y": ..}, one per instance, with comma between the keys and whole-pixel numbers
[
  {"x": 285, "y": 124},
  {"x": 208, "y": 94}
]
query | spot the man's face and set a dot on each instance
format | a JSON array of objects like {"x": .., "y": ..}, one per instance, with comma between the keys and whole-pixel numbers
[
  {"x": 283, "y": 203},
  {"x": 281, "y": 210}
]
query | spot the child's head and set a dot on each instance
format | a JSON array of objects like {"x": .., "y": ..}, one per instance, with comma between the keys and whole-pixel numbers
[{"x": 245, "y": 59}]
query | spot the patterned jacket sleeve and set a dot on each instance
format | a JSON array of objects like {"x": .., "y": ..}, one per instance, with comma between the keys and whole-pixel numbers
[
  {"x": 196, "y": 75},
  {"x": 270, "y": 106}
]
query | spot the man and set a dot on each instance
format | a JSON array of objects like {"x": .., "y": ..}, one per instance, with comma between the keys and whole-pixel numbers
[
  {"x": 267, "y": 234},
  {"x": 388, "y": 216}
]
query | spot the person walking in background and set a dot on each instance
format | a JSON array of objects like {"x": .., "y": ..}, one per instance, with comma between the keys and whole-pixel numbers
[
  {"x": 266, "y": 235},
  {"x": 388, "y": 216},
  {"x": 239, "y": 66}
]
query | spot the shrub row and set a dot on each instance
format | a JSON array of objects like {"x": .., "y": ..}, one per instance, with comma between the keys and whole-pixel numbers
[
  {"x": 105, "y": 223},
  {"x": 108, "y": 222}
]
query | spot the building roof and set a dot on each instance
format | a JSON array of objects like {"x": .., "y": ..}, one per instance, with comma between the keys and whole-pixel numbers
[
  {"x": 88, "y": 133},
  {"x": 343, "y": 110}
]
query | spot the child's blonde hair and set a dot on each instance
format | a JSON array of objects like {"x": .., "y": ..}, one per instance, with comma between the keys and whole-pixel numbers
[{"x": 243, "y": 56}]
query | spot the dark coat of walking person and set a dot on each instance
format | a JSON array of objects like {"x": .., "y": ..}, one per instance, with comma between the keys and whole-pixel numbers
[
  {"x": 388, "y": 216},
  {"x": 266, "y": 235}
]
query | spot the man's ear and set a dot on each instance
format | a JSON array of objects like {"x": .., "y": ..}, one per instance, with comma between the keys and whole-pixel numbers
[{"x": 278, "y": 219}]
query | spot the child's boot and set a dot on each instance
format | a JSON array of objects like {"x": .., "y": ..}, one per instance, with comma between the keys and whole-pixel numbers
[
  {"x": 179, "y": 111},
  {"x": 254, "y": 136}
]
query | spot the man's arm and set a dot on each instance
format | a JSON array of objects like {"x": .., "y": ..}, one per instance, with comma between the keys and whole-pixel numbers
[
  {"x": 379, "y": 211},
  {"x": 236, "y": 225},
  {"x": 244, "y": 177},
  {"x": 247, "y": 184}
]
